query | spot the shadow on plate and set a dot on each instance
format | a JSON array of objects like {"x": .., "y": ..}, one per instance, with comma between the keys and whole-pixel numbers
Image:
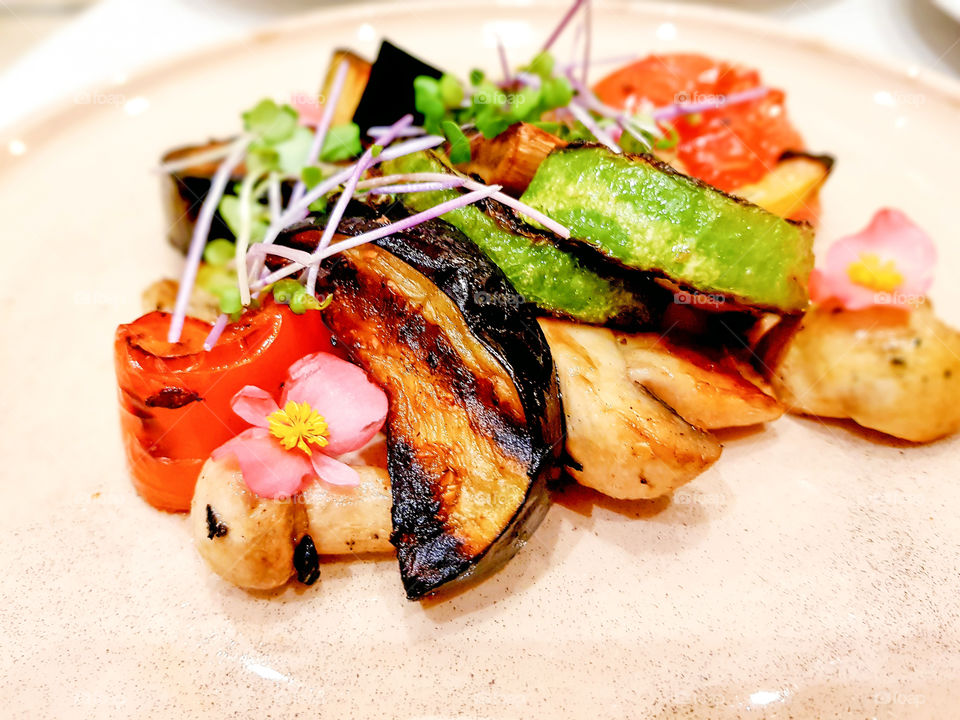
[{"x": 832, "y": 425}]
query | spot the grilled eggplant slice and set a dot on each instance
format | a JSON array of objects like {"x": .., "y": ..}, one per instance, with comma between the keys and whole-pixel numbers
[
  {"x": 388, "y": 93},
  {"x": 475, "y": 426},
  {"x": 184, "y": 191},
  {"x": 358, "y": 73}
]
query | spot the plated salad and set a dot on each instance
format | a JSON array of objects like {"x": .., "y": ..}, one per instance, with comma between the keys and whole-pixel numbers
[{"x": 414, "y": 307}]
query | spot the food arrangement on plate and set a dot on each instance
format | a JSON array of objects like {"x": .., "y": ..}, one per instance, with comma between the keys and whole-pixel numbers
[{"x": 412, "y": 312}]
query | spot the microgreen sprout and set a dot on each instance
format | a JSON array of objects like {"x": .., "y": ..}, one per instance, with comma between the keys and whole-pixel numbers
[{"x": 279, "y": 151}]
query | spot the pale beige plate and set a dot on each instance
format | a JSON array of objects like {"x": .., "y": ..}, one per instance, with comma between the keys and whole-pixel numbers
[{"x": 811, "y": 572}]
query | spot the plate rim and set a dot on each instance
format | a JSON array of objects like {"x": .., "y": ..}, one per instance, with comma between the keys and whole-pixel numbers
[{"x": 58, "y": 110}]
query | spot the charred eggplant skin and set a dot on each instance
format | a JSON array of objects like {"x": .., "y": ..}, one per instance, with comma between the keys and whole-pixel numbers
[
  {"x": 184, "y": 191},
  {"x": 389, "y": 93},
  {"x": 504, "y": 396}
]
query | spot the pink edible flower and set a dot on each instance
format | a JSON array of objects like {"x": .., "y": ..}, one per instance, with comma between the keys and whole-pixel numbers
[
  {"x": 328, "y": 408},
  {"x": 309, "y": 110},
  {"x": 890, "y": 262}
]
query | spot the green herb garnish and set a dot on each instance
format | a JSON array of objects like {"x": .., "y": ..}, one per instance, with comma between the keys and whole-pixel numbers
[
  {"x": 341, "y": 143},
  {"x": 459, "y": 145},
  {"x": 218, "y": 252}
]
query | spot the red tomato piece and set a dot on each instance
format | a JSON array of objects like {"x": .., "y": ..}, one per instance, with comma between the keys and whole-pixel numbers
[{"x": 727, "y": 147}]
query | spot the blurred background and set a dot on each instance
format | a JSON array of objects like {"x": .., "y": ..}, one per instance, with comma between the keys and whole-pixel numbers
[{"x": 51, "y": 48}]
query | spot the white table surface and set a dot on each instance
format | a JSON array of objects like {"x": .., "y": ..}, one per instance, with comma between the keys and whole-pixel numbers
[{"x": 68, "y": 47}]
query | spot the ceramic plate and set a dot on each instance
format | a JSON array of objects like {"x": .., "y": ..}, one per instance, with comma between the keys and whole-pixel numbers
[
  {"x": 813, "y": 571},
  {"x": 952, "y": 7}
]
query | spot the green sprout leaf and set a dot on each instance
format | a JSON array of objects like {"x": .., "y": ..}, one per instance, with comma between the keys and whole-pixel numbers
[
  {"x": 669, "y": 142},
  {"x": 218, "y": 252},
  {"x": 270, "y": 122},
  {"x": 319, "y": 205},
  {"x": 542, "y": 65},
  {"x": 230, "y": 300},
  {"x": 311, "y": 176},
  {"x": 259, "y": 217},
  {"x": 292, "y": 153},
  {"x": 557, "y": 92},
  {"x": 262, "y": 159},
  {"x": 284, "y": 290},
  {"x": 427, "y": 101},
  {"x": 459, "y": 145},
  {"x": 451, "y": 91},
  {"x": 341, "y": 143},
  {"x": 303, "y": 301}
]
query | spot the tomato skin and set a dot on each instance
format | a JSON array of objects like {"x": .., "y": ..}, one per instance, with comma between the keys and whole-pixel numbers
[
  {"x": 175, "y": 398},
  {"x": 727, "y": 147}
]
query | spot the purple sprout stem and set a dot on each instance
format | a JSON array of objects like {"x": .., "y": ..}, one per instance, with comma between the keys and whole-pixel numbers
[
  {"x": 199, "y": 239},
  {"x": 333, "y": 221},
  {"x": 329, "y": 106},
  {"x": 676, "y": 110},
  {"x": 216, "y": 332},
  {"x": 568, "y": 16}
]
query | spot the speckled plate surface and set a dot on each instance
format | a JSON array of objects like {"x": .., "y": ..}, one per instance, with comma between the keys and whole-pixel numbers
[{"x": 813, "y": 571}]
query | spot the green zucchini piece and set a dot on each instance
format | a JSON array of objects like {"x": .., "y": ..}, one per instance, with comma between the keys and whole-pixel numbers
[
  {"x": 540, "y": 270},
  {"x": 642, "y": 213}
]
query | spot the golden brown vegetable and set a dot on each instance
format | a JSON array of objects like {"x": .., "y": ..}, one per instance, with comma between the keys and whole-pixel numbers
[
  {"x": 358, "y": 72},
  {"x": 162, "y": 295},
  {"x": 791, "y": 186},
  {"x": 511, "y": 158},
  {"x": 706, "y": 388},
  {"x": 627, "y": 443},
  {"x": 890, "y": 370}
]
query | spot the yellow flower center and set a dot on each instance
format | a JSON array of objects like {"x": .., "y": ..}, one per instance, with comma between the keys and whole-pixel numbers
[
  {"x": 874, "y": 273},
  {"x": 298, "y": 424}
]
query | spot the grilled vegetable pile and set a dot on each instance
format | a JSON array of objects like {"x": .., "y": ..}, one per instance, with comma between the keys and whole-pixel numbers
[
  {"x": 409, "y": 315},
  {"x": 538, "y": 268}
]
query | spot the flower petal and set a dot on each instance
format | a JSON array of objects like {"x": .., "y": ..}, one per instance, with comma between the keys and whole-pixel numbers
[
  {"x": 915, "y": 252},
  {"x": 253, "y": 404},
  {"x": 891, "y": 237},
  {"x": 354, "y": 408},
  {"x": 309, "y": 111},
  {"x": 268, "y": 469},
  {"x": 334, "y": 472}
]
